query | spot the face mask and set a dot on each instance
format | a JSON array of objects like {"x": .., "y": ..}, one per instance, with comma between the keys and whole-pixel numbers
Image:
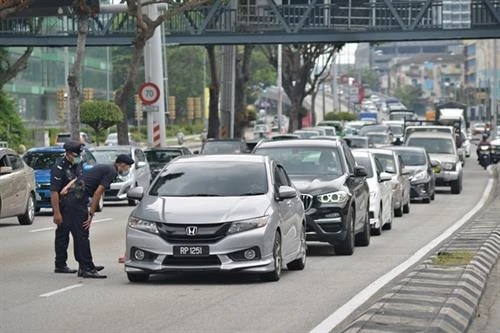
[
  {"x": 77, "y": 160},
  {"x": 124, "y": 173}
]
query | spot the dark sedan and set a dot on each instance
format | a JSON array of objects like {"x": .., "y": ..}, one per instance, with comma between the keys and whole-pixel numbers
[
  {"x": 422, "y": 178},
  {"x": 159, "y": 157},
  {"x": 334, "y": 189}
]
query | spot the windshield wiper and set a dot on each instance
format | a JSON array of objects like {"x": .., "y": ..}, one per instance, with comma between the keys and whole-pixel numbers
[
  {"x": 203, "y": 195},
  {"x": 251, "y": 193}
]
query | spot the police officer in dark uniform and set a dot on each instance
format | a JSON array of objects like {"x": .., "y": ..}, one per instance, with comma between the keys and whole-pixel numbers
[
  {"x": 64, "y": 171},
  {"x": 92, "y": 184}
]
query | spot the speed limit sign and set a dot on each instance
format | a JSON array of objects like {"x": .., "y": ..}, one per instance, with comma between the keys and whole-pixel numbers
[{"x": 149, "y": 93}]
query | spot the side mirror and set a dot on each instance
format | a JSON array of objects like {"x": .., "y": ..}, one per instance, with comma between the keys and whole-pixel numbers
[
  {"x": 5, "y": 170},
  {"x": 384, "y": 177},
  {"x": 435, "y": 163},
  {"x": 135, "y": 193},
  {"x": 286, "y": 192},
  {"x": 359, "y": 171},
  {"x": 141, "y": 164}
]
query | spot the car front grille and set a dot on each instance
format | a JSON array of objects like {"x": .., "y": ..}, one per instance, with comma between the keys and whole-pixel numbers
[
  {"x": 205, "y": 233},
  {"x": 307, "y": 200},
  {"x": 192, "y": 261}
]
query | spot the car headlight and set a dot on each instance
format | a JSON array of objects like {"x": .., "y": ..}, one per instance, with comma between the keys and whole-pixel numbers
[
  {"x": 421, "y": 175},
  {"x": 244, "y": 225},
  {"x": 333, "y": 198},
  {"x": 448, "y": 166},
  {"x": 143, "y": 225}
]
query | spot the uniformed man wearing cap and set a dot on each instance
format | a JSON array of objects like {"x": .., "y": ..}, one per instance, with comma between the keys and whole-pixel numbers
[
  {"x": 64, "y": 171},
  {"x": 92, "y": 184}
]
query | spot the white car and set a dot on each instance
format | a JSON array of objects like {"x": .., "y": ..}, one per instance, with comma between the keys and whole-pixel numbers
[{"x": 379, "y": 182}]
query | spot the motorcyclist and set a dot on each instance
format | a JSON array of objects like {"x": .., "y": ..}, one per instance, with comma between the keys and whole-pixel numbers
[{"x": 484, "y": 142}]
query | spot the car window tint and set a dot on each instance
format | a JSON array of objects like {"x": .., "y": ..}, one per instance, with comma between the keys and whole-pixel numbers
[
  {"x": 351, "y": 162},
  {"x": 42, "y": 160},
  {"x": 16, "y": 162},
  {"x": 162, "y": 156},
  {"x": 366, "y": 163},
  {"x": 433, "y": 145},
  {"x": 221, "y": 147},
  {"x": 139, "y": 155},
  {"x": 225, "y": 179},
  {"x": 88, "y": 158},
  {"x": 388, "y": 162},
  {"x": 107, "y": 156},
  {"x": 413, "y": 158},
  {"x": 282, "y": 176}
]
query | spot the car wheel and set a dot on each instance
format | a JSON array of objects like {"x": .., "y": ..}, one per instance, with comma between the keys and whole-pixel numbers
[
  {"x": 363, "y": 238},
  {"x": 398, "y": 212},
  {"x": 378, "y": 230},
  {"x": 406, "y": 208},
  {"x": 388, "y": 225},
  {"x": 456, "y": 186},
  {"x": 300, "y": 263},
  {"x": 138, "y": 277},
  {"x": 433, "y": 195},
  {"x": 29, "y": 214},
  {"x": 278, "y": 261},
  {"x": 100, "y": 206},
  {"x": 347, "y": 246}
]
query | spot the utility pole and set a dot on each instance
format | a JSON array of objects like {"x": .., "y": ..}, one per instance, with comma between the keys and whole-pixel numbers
[
  {"x": 280, "y": 84},
  {"x": 494, "y": 97}
]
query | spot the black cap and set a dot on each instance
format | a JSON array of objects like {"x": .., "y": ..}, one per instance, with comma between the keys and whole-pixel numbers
[
  {"x": 124, "y": 158},
  {"x": 73, "y": 147}
]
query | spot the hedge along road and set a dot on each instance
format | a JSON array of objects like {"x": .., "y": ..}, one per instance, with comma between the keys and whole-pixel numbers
[{"x": 203, "y": 302}]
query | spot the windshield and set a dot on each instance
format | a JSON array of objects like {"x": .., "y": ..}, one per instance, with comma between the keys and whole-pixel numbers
[
  {"x": 211, "y": 179},
  {"x": 306, "y": 160},
  {"x": 358, "y": 142},
  {"x": 377, "y": 138},
  {"x": 373, "y": 128},
  {"x": 42, "y": 160},
  {"x": 161, "y": 156},
  {"x": 222, "y": 147},
  {"x": 412, "y": 158},
  {"x": 387, "y": 161},
  {"x": 442, "y": 129},
  {"x": 365, "y": 162},
  {"x": 433, "y": 145},
  {"x": 306, "y": 134},
  {"x": 397, "y": 130},
  {"x": 107, "y": 156}
]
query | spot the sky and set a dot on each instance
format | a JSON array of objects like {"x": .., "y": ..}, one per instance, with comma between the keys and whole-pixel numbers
[{"x": 347, "y": 53}]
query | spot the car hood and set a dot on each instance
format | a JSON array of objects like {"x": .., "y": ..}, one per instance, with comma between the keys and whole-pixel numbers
[
  {"x": 42, "y": 176},
  {"x": 201, "y": 209},
  {"x": 444, "y": 157},
  {"x": 316, "y": 184},
  {"x": 414, "y": 169}
]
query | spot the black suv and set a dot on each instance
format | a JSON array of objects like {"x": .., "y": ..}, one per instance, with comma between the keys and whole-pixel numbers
[{"x": 333, "y": 189}]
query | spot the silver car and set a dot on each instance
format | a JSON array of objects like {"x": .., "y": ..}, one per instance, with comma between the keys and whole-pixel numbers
[
  {"x": 217, "y": 212},
  {"x": 139, "y": 175}
]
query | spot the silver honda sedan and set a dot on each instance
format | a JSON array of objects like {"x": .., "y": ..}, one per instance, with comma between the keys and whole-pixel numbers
[{"x": 217, "y": 212}]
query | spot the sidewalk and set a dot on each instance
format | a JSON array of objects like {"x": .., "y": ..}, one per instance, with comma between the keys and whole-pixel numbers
[{"x": 438, "y": 297}]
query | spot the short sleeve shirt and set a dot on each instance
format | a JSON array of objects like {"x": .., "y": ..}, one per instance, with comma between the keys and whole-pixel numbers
[
  {"x": 62, "y": 173},
  {"x": 100, "y": 174}
]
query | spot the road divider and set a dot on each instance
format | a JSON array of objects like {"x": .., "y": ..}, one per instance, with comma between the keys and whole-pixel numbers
[{"x": 54, "y": 228}]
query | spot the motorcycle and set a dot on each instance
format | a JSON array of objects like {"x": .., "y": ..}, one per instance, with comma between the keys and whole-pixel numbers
[{"x": 484, "y": 157}]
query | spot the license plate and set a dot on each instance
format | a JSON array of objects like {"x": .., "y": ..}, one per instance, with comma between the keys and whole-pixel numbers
[{"x": 191, "y": 251}]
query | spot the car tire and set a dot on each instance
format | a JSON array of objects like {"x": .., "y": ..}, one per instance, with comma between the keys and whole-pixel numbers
[
  {"x": 388, "y": 225},
  {"x": 300, "y": 263},
  {"x": 138, "y": 277},
  {"x": 456, "y": 186},
  {"x": 100, "y": 206},
  {"x": 377, "y": 231},
  {"x": 433, "y": 195},
  {"x": 426, "y": 200},
  {"x": 275, "y": 275},
  {"x": 363, "y": 238},
  {"x": 29, "y": 214},
  {"x": 406, "y": 208},
  {"x": 346, "y": 247}
]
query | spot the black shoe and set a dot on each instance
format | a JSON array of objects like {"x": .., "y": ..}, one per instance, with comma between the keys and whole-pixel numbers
[
  {"x": 64, "y": 269},
  {"x": 97, "y": 268},
  {"x": 93, "y": 274}
]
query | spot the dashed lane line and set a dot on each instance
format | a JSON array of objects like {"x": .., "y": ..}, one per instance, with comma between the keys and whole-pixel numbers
[{"x": 58, "y": 291}]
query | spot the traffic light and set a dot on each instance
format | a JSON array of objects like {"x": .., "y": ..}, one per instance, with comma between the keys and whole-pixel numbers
[{"x": 88, "y": 94}]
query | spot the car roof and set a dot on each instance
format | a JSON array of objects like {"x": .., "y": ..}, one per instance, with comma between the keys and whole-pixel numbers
[
  {"x": 408, "y": 148},
  {"x": 224, "y": 140},
  {"x": 299, "y": 143},
  {"x": 356, "y": 137},
  {"x": 361, "y": 152},
  {"x": 165, "y": 148},
  {"x": 376, "y": 150},
  {"x": 247, "y": 158},
  {"x": 430, "y": 135},
  {"x": 56, "y": 149}
]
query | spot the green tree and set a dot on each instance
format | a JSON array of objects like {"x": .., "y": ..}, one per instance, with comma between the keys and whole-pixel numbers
[
  {"x": 12, "y": 128},
  {"x": 100, "y": 115},
  {"x": 346, "y": 116},
  {"x": 368, "y": 76},
  {"x": 408, "y": 94}
]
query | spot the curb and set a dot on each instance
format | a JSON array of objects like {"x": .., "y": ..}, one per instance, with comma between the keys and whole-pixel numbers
[{"x": 441, "y": 299}]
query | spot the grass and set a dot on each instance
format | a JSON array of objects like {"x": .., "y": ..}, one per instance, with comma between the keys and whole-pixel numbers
[{"x": 453, "y": 258}]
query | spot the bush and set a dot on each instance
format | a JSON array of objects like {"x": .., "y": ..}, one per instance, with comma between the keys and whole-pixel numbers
[
  {"x": 12, "y": 128},
  {"x": 346, "y": 116}
]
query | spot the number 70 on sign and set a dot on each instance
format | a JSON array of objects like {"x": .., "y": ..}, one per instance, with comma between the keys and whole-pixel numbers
[{"x": 149, "y": 93}]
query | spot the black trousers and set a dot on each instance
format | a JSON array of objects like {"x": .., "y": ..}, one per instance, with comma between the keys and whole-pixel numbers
[{"x": 74, "y": 212}]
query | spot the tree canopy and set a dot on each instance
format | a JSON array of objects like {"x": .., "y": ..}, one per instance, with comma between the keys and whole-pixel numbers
[
  {"x": 100, "y": 115},
  {"x": 12, "y": 128},
  {"x": 408, "y": 95}
]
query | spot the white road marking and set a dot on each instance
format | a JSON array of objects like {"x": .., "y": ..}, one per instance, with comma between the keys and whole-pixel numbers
[
  {"x": 54, "y": 228},
  {"x": 58, "y": 291},
  {"x": 345, "y": 310}
]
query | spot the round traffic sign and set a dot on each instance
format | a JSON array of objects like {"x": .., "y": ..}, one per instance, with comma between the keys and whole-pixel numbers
[{"x": 149, "y": 93}]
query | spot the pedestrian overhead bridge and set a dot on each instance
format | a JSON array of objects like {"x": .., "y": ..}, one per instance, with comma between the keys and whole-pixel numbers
[{"x": 275, "y": 21}]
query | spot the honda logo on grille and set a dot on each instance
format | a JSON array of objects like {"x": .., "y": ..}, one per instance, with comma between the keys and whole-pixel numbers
[{"x": 191, "y": 230}]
